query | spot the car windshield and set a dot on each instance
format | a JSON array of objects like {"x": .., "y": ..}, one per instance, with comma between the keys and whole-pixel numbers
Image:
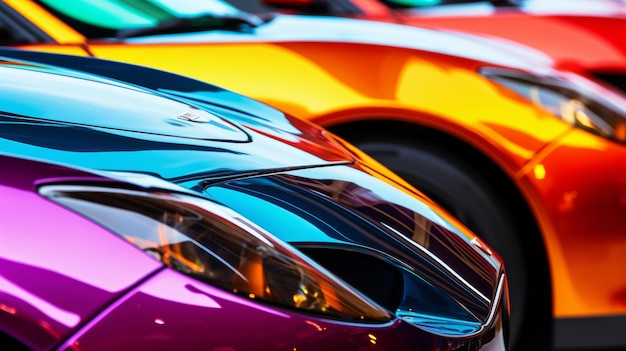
[{"x": 106, "y": 18}]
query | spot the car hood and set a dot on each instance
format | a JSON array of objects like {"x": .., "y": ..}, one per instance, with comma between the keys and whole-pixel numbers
[
  {"x": 333, "y": 29},
  {"x": 351, "y": 222},
  {"x": 207, "y": 132}
]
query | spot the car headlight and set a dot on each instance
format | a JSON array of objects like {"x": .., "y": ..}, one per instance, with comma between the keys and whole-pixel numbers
[
  {"x": 572, "y": 98},
  {"x": 217, "y": 246}
]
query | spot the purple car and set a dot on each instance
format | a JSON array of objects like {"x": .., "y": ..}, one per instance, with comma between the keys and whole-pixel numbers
[{"x": 89, "y": 261}]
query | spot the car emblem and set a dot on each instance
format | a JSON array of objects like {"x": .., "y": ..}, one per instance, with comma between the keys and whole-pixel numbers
[{"x": 192, "y": 117}]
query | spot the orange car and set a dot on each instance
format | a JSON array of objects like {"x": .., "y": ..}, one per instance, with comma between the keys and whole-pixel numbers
[
  {"x": 528, "y": 157},
  {"x": 580, "y": 35}
]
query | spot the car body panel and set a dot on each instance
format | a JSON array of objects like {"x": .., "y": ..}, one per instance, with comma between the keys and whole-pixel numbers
[
  {"x": 185, "y": 315},
  {"x": 597, "y": 27},
  {"x": 353, "y": 201},
  {"x": 87, "y": 288},
  {"x": 45, "y": 298},
  {"x": 171, "y": 134},
  {"x": 584, "y": 37},
  {"x": 336, "y": 92},
  {"x": 135, "y": 107},
  {"x": 554, "y": 176},
  {"x": 347, "y": 94},
  {"x": 477, "y": 278},
  {"x": 355, "y": 94}
]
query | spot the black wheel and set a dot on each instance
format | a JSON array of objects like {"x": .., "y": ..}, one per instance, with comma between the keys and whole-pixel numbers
[{"x": 477, "y": 202}]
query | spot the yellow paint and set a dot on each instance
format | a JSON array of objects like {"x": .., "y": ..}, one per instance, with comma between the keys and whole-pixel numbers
[{"x": 55, "y": 28}]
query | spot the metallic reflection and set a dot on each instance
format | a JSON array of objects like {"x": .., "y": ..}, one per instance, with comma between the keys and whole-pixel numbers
[{"x": 369, "y": 223}]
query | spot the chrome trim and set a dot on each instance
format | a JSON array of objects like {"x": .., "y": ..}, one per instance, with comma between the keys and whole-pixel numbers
[
  {"x": 496, "y": 304},
  {"x": 441, "y": 263},
  {"x": 484, "y": 325}
]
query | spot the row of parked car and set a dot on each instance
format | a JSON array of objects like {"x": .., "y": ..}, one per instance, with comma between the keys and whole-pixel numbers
[{"x": 299, "y": 180}]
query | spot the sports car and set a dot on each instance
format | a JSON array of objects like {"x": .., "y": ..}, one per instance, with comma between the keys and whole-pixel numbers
[
  {"x": 188, "y": 274},
  {"x": 492, "y": 132},
  {"x": 427, "y": 282},
  {"x": 585, "y": 36}
]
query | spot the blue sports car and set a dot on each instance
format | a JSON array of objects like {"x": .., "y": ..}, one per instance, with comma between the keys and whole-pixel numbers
[{"x": 293, "y": 179}]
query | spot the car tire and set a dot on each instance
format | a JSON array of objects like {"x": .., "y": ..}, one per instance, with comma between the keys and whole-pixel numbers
[{"x": 449, "y": 179}]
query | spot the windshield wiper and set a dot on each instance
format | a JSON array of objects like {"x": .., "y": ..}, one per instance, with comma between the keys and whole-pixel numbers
[{"x": 239, "y": 22}]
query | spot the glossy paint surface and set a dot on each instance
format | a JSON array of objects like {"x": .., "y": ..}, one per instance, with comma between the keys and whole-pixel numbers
[
  {"x": 581, "y": 34},
  {"x": 171, "y": 311},
  {"x": 307, "y": 79},
  {"x": 415, "y": 84},
  {"x": 401, "y": 84},
  {"x": 585, "y": 212},
  {"x": 404, "y": 85},
  {"x": 147, "y": 126},
  {"x": 334, "y": 201},
  {"x": 407, "y": 84},
  {"x": 473, "y": 279},
  {"x": 67, "y": 283},
  {"x": 56, "y": 269}
]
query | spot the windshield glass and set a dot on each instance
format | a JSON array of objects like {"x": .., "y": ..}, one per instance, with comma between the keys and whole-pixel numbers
[{"x": 102, "y": 18}]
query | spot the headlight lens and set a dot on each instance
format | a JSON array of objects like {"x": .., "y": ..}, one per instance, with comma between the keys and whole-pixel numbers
[
  {"x": 575, "y": 100},
  {"x": 213, "y": 244}
]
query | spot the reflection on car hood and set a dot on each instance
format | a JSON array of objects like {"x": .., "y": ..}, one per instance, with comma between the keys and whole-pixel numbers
[
  {"x": 62, "y": 128},
  {"x": 208, "y": 132},
  {"x": 342, "y": 216},
  {"x": 334, "y": 29},
  {"x": 52, "y": 297},
  {"x": 132, "y": 110}
]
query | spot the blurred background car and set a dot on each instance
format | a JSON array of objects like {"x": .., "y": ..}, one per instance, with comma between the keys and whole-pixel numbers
[
  {"x": 488, "y": 129},
  {"x": 189, "y": 273},
  {"x": 585, "y": 36},
  {"x": 294, "y": 179}
]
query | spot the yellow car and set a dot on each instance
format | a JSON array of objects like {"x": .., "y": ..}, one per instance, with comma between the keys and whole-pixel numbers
[{"x": 529, "y": 158}]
